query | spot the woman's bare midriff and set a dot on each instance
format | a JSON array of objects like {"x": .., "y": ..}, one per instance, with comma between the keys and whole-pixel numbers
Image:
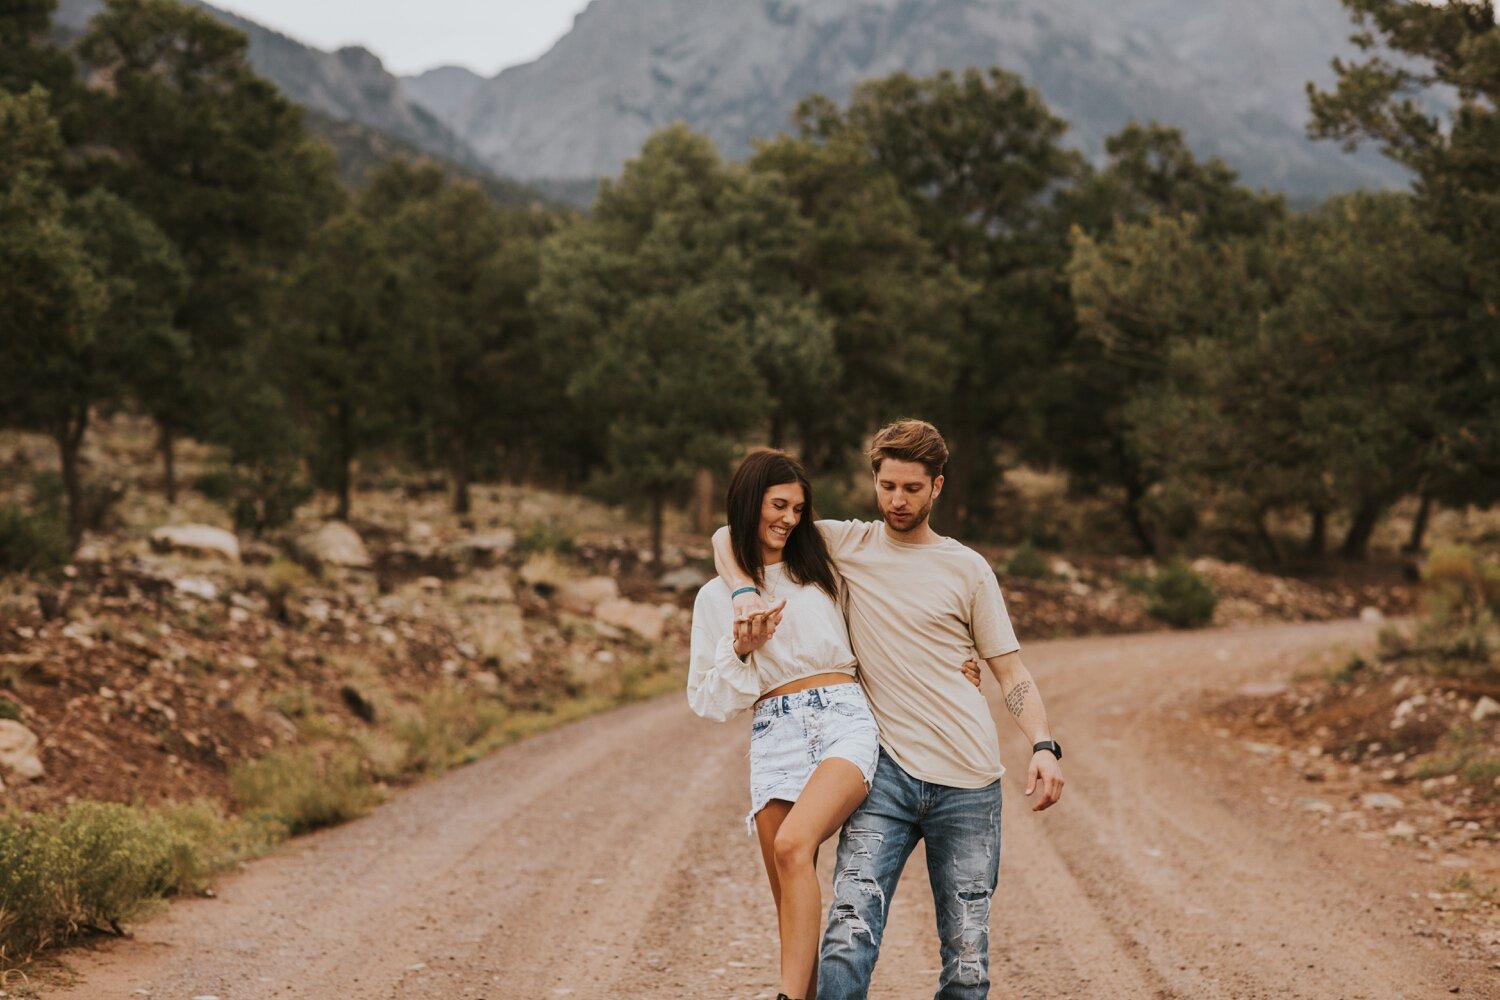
[{"x": 803, "y": 683}]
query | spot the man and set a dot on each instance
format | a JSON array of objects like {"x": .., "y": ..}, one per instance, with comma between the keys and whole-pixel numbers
[{"x": 916, "y": 603}]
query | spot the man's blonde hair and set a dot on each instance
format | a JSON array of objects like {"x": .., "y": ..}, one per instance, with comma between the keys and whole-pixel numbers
[{"x": 910, "y": 441}]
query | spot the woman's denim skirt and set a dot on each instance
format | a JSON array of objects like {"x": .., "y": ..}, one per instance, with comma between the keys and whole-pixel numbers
[{"x": 793, "y": 733}]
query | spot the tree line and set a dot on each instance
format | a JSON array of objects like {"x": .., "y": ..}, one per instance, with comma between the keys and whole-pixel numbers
[{"x": 173, "y": 241}]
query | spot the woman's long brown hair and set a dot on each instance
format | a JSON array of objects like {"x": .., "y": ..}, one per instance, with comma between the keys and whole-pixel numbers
[{"x": 806, "y": 554}]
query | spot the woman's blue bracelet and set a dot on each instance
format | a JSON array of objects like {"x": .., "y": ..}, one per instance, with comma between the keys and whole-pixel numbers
[{"x": 743, "y": 590}]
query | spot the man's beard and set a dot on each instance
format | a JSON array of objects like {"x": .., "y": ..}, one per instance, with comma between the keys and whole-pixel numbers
[{"x": 912, "y": 523}]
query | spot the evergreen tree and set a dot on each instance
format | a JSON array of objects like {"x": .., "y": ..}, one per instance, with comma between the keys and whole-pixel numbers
[
  {"x": 891, "y": 305},
  {"x": 90, "y": 288},
  {"x": 1427, "y": 90},
  {"x": 647, "y": 307},
  {"x": 217, "y": 158},
  {"x": 979, "y": 157}
]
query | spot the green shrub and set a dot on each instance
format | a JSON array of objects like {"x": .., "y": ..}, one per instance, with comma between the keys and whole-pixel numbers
[
  {"x": 450, "y": 725},
  {"x": 98, "y": 864},
  {"x": 217, "y": 484},
  {"x": 1467, "y": 754},
  {"x": 32, "y": 542},
  {"x": 546, "y": 536},
  {"x": 300, "y": 792},
  {"x": 1181, "y": 597},
  {"x": 1352, "y": 668},
  {"x": 119, "y": 860},
  {"x": 36, "y": 899},
  {"x": 1027, "y": 562}
]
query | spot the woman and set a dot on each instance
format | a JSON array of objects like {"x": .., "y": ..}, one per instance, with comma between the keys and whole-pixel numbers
[{"x": 813, "y": 741}]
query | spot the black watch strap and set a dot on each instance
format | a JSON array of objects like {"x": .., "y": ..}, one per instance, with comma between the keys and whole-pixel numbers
[{"x": 1051, "y": 745}]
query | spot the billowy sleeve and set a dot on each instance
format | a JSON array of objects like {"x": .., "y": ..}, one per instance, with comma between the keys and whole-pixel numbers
[{"x": 720, "y": 684}]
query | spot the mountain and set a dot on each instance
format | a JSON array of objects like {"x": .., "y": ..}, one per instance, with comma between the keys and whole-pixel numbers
[
  {"x": 350, "y": 84},
  {"x": 1231, "y": 74}
]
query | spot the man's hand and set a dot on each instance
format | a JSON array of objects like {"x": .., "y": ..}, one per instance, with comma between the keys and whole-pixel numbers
[
  {"x": 971, "y": 671},
  {"x": 753, "y": 630},
  {"x": 1046, "y": 771}
]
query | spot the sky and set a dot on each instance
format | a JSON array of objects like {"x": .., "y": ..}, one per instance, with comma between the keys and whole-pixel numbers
[{"x": 484, "y": 35}]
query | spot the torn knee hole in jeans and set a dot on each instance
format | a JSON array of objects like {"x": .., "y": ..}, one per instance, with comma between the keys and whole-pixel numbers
[
  {"x": 855, "y": 889},
  {"x": 974, "y": 910}
]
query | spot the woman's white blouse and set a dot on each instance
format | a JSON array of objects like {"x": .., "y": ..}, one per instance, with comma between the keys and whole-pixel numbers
[{"x": 811, "y": 639}]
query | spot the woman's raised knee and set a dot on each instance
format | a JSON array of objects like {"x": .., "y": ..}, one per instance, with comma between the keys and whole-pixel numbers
[{"x": 792, "y": 852}]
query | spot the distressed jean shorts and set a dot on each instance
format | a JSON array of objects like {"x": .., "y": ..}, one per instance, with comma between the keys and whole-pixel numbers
[{"x": 793, "y": 733}]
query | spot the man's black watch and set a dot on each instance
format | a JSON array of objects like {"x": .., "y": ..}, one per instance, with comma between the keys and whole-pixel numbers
[{"x": 1051, "y": 745}]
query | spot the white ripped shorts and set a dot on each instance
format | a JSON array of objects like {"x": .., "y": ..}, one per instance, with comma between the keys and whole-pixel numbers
[{"x": 793, "y": 733}]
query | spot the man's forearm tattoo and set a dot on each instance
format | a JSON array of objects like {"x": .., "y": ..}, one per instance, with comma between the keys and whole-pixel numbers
[{"x": 1015, "y": 698}]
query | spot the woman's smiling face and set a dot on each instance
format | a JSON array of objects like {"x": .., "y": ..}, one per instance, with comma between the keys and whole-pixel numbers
[{"x": 780, "y": 513}]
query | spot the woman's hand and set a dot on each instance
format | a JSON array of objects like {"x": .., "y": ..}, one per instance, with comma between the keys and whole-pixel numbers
[
  {"x": 971, "y": 671},
  {"x": 753, "y": 630}
]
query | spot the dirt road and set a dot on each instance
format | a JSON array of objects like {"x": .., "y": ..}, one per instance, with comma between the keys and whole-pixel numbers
[{"x": 607, "y": 859}]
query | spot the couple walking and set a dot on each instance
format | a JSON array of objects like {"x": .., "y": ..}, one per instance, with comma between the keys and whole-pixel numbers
[{"x": 858, "y": 645}]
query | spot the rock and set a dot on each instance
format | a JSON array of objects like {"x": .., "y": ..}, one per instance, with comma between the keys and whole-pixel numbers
[
  {"x": 197, "y": 586},
  {"x": 337, "y": 544},
  {"x": 1371, "y": 615},
  {"x": 1485, "y": 708},
  {"x": 1380, "y": 800},
  {"x": 197, "y": 540},
  {"x": 1315, "y": 805},
  {"x": 644, "y": 620},
  {"x": 18, "y": 751},
  {"x": 357, "y": 702},
  {"x": 1402, "y": 829},
  {"x": 90, "y": 553},
  {"x": 429, "y": 583},
  {"x": 486, "y": 682},
  {"x": 686, "y": 578},
  {"x": 489, "y": 547},
  {"x": 545, "y": 572},
  {"x": 583, "y": 596},
  {"x": 1264, "y": 689}
]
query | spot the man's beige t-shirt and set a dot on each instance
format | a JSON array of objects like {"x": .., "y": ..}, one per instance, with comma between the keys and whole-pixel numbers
[{"x": 916, "y": 612}]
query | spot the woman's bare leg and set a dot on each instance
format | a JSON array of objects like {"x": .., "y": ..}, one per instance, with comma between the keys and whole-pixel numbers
[
  {"x": 767, "y": 822},
  {"x": 831, "y": 794}
]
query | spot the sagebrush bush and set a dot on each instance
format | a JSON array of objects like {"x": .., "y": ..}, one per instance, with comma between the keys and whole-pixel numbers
[
  {"x": 1455, "y": 634},
  {"x": 1028, "y": 563},
  {"x": 1181, "y": 597},
  {"x": 97, "y": 864},
  {"x": 37, "y": 903},
  {"x": 299, "y": 791},
  {"x": 546, "y": 536},
  {"x": 118, "y": 859},
  {"x": 449, "y": 725}
]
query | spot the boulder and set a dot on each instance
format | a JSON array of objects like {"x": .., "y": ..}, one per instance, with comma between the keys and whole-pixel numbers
[
  {"x": 686, "y": 578},
  {"x": 1485, "y": 708},
  {"x": 1380, "y": 800},
  {"x": 583, "y": 596},
  {"x": 645, "y": 620},
  {"x": 197, "y": 586},
  {"x": 488, "y": 548},
  {"x": 18, "y": 747},
  {"x": 198, "y": 540},
  {"x": 337, "y": 544}
]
